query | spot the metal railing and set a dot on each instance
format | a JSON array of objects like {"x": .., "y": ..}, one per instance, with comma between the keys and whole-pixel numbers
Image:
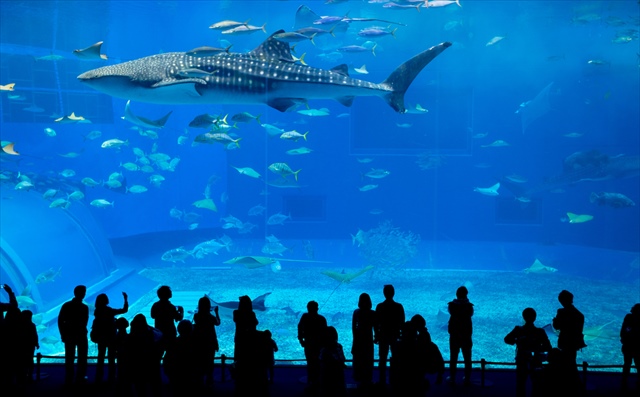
[{"x": 224, "y": 363}]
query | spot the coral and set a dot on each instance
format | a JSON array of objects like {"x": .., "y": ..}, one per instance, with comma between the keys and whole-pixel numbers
[{"x": 387, "y": 246}]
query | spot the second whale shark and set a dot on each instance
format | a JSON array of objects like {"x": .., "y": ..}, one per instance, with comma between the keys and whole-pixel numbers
[{"x": 268, "y": 74}]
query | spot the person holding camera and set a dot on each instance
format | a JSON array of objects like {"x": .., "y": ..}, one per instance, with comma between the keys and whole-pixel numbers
[{"x": 166, "y": 315}]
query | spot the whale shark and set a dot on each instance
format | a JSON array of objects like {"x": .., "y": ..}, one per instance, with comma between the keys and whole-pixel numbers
[{"x": 268, "y": 74}]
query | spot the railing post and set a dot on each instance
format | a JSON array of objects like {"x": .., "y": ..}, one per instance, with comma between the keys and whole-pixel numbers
[
  {"x": 223, "y": 366},
  {"x": 483, "y": 367},
  {"x": 585, "y": 365},
  {"x": 38, "y": 360}
]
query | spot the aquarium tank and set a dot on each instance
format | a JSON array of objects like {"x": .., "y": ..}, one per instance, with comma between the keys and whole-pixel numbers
[{"x": 315, "y": 150}]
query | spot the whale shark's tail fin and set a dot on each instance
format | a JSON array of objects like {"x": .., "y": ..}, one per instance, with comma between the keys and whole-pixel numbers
[{"x": 401, "y": 78}]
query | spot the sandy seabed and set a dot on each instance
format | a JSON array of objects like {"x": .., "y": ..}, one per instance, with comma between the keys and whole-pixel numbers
[{"x": 498, "y": 298}]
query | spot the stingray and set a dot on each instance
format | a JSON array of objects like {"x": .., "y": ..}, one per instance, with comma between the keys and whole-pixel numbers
[
  {"x": 539, "y": 268},
  {"x": 346, "y": 277},
  {"x": 535, "y": 108},
  {"x": 91, "y": 53},
  {"x": 601, "y": 331},
  {"x": 253, "y": 262},
  {"x": 226, "y": 308}
]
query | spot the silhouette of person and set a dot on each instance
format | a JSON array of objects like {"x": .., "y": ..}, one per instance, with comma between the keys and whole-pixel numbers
[
  {"x": 390, "y": 320},
  {"x": 363, "y": 325},
  {"x": 180, "y": 363},
  {"x": 72, "y": 324},
  {"x": 311, "y": 335},
  {"x": 332, "y": 364},
  {"x": 460, "y": 331},
  {"x": 144, "y": 352},
  {"x": 531, "y": 342},
  {"x": 428, "y": 359},
  {"x": 166, "y": 315},
  {"x": 6, "y": 331},
  {"x": 205, "y": 338},
  {"x": 27, "y": 344},
  {"x": 103, "y": 332},
  {"x": 630, "y": 338},
  {"x": 272, "y": 348},
  {"x": 246, "y": 322},
  {"x": 570, "y": 322},
  {"x": 123, "y": 365}
]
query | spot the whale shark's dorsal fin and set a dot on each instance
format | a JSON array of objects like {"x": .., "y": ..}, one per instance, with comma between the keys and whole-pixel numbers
[{"x": 273, "y": 48}]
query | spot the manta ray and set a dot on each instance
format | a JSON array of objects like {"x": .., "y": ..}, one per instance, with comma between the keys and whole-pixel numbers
[
  {"x": 226, "y": 308},
  {"x": 268, "y": 74},
  {"x": 580, "y": 167},
  {"x": 346, "y": 277}
]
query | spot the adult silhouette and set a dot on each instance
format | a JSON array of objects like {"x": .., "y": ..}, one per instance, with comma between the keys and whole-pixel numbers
[
  {"x": 311, "y": 335},
  {"x": 460, "y": 331},
  {"x": 570, "y": 322},
  {"x": 103, "y": 332},
  {"x": 72, "y": 324},
  {"x": 7, "y": 328},
  {"x": 27, "y": 343},
  {"x": 531, "y": 343},
  {"x": 246, "y": 322},
  {"x": 363, "y": 324},
  {"x": 166, "y": 315},
  {"x": 181, "y": 364},
  {"x": 630, "y": 338},
  {"x": 390, "y": 320},
  {"x": 205, "y": 338}
]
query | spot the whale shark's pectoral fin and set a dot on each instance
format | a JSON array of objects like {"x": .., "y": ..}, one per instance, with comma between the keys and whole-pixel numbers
[
  {"x": 183, "y": 86},
  {"x": 285, "y": 104}
]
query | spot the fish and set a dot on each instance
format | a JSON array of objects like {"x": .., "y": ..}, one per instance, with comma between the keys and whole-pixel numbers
[
  {"x": 50, "y": 57},
  {"x": 33, "y": 109},
  {"x": 494, "y": 41},
  {"x": 114, "y": 143},
  {"x": 60, "y": 203},
  {"x": 539, "y": 268},
  {"x": 227, "y": 24},
  {"x": 488, "y": 191},
  {"x": 48, "y": 275},
  {"x": 142, "y": 121},
  {"x": 496, "y": 143},
  {"x": 219, "y": 137},
  {"x": 7, "y": 87},
  {"x": 90, "y": 182},
  {"x": 575, "y": 218},
  {"x": 24, "y": 185},
  {"x": 256, "y": 210},
  {"x": 299, "y": 151},
  {"x": 366, "y": 188},
  {"x": 345, "y": 278},
  {"x": 206, "y": 203},
  {"x": 93, "y": 135},
  {"x": 245, "y": 117},
  {"x": 265, "y": 75},
  {"x": 293, "y": 135},
  {"x": 359, "y": 238},
  {"x": 101, "y": 203},
  {"x": 176, "y": 255},
  {"x": 615, "y": 200},
  {"x": 377, "y": 173},
  {"x": 284, "y": 170},
  {"x": 440, "y": 3},
  {"x": 136, "y": 189},
  {"x": 248, "y": 171},
  {"x": 206, "y": 51},
  {"x": 277, "y": 219},
  {"x": 91, "y": 53},
  {"x": 246, "y": 29}
]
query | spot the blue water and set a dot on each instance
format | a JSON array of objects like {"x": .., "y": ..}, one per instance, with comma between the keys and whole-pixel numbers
[{"x": 435, "y": 159}]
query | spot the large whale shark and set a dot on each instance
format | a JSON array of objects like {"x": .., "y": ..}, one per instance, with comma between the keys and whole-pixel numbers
[{"x": 268, "y": 74}]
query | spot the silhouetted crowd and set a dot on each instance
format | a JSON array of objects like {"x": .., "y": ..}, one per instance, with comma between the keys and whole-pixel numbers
[{"x": 186, "y": 352}]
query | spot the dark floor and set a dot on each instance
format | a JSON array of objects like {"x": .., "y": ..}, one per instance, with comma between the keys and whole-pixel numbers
[{"x": 289, "y": 381}]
